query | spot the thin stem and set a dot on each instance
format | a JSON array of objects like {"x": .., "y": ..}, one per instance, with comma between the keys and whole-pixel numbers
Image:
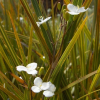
[{"x": 53, "y": 20}]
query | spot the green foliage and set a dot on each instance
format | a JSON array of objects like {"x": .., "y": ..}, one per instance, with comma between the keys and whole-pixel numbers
[{"x": 64, "y": 47}]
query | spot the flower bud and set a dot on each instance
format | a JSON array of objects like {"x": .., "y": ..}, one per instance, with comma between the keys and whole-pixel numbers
[
  {"x": 64, "y": 6},
  {"x": 64, "y": 13},
  {"x": 41, "y": 71},
  {"x": 59, "y": 5},
  {"x": 66, "y": 16}
]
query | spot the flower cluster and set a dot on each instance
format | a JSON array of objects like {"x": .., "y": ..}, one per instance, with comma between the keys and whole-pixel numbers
[
  {"x": 30, "y": 68},
  {"x": 39, "y": 85}
]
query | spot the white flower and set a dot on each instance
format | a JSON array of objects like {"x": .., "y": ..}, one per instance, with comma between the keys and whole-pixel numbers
[
  {"x": 42, "y": 21},
  {"x": 21, "y": 18},
  {"x": 74, "y": 10},
  {"x": 39, "y": 85},
  {"x": 50, "y": 91},
  {"x": 30, "y": 68},
  {"x": 43, "y": 57},
  {"x": 21, "y": 77}
]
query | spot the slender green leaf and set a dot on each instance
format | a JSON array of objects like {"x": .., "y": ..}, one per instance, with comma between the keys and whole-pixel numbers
[
  {"x": 79, "y": 80},
  {"x": 67, "y": 50},
  {"x": 18, "y": 42},
  {"x": 9, "y": 93}
]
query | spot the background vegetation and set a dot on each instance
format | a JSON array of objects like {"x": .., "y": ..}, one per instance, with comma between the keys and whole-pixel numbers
[{"x": 69, "y": 43}]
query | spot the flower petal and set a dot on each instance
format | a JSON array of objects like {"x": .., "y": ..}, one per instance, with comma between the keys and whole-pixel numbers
[
  {"x": 31, "y": 66},
  {"x": 72, "y": 8},
  {"x": 73, "y": 13},
  {"x": 45, "y": 85},
  {"x": 21, "y": 77},
  {"x": 38, "y": 24},
  {"x": 48, "y": 93},
  {"x": 81, "y": 10},
  {"x": 52, "y": 87},
  {"x": 21, "y": 68},
  {"x": 21, "y": 18},
  {"x": 43, "y": 57},
  {"x": 38, "y": 81},
  {"x": 45, "y": 20},
  {"x": 33, "y": 72},
  {"x": 35, "y": 89}
]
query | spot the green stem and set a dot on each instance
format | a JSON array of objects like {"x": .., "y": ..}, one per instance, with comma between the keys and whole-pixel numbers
[{"x": 53, "y": 20}]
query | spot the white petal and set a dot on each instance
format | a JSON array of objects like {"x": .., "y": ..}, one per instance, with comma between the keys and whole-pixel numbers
[
  {"x": 72, "y": 8},
  {"x": 31, "y": 66},
  {"x": 43, "y": 57},
  {"x": 45, "y": 85},
  {"x": 40, "y": 18},
  {"x": 45, "y": 20},
  {"x": 35, "y": 89},
  {"x": 21, "y": 68},
  {"x": 73, "y": 13},
  {"x": 38, "y": 81},
  {"x": 38, "y": 24},
  {"x": 52, "y": 87},
  {"x": 48, "y": 93},
  {"x": 33, "y": 72},
  {"x": 81, "y": 10},
  {"x": 21, "y": 77},
  {"x": 21, "y": 18}
]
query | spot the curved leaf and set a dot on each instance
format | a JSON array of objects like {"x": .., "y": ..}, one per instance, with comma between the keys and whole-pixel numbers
[
  {"x": 9, "y": 93},
  {"x": 67, "y": 50}
]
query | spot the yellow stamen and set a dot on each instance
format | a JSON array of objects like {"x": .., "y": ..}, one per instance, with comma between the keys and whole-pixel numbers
[{"x": 78, "y": 6}]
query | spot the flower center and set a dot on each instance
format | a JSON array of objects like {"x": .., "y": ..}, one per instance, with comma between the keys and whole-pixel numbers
[
  {"x": 78, "y": 8},
  {"x": 40, "y": 18},
  {"x": 28, "y": 67},
  {"x": 53, "y": 89},
  {"x": 40, "y": 85}
]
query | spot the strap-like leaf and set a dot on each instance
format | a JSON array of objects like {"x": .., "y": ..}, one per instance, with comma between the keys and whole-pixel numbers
[
  {"x": 8, "y": 43},
  {"x": 94, "y": 81},
  {"x": 67, "y": 50},
  {"x": 18, "y": 42},
  {"x": 9, "y": 93},
  {"x": 30, "y": 46},
  {"x": 37, "y": 30},
  {"x": 2, "y": 76},
  {"x": 79, "y": 80},
  {"x": 5, "y": 58}
]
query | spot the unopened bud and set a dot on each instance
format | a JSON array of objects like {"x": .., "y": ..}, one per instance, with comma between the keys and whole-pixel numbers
[
  {"x": 64, "y": 6},
  {"x": 59, "y": 5},
  {"x": 64, "y": 15},
  {"x": 41, "y": 71}
]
